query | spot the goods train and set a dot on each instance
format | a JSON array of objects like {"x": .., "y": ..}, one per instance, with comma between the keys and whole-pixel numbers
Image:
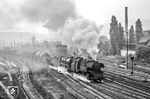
[{"x": 88, "y": 67}]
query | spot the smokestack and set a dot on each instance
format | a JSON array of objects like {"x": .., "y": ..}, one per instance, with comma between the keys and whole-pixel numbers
[{"x": 126, "y": 30}]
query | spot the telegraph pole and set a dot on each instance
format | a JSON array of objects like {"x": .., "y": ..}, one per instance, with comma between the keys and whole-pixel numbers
[{"x": 126, "y": 30}]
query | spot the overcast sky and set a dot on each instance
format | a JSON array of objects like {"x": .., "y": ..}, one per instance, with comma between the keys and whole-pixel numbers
[
  {"x": 99, "y": 11},
  {"x": 35, "y": 15},
  {"x": 102, "y": 10}
]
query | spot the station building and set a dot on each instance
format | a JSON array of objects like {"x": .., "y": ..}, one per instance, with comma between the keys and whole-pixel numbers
[{"x": 145, "y": 39}]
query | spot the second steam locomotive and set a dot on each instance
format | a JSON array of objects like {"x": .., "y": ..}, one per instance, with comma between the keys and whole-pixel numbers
[{"x": 88, "y": 67}]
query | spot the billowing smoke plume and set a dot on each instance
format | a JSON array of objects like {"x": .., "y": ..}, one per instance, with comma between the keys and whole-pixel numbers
[
  {"x": 55, "y": 12},
  {"x": 9, "y": 15},
  {"x": 30, "y": 15},
  {"x": 56, "y": 15},
  {"x": 81, "y": 33}
]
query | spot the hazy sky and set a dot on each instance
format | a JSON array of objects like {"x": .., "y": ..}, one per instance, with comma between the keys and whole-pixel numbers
[
  {"x": 102, "y": 10},
  {"x": 32, "y": 15},
  {"x": 99, "y": 11}
]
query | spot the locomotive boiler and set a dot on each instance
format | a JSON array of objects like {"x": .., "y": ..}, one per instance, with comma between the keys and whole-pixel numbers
[{"x": 88, "y": 67}]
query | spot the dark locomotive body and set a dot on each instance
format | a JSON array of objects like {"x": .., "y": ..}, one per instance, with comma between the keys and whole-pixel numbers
[{"x": 88, "y": 67}]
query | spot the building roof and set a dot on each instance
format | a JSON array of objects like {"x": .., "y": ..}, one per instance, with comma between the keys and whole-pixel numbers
[
  {"x": 148, "y": 44},
  {"x": 148, "y": 31},
  {"x": 129, "y": 44},
  {"x": 144, "y": 39}
]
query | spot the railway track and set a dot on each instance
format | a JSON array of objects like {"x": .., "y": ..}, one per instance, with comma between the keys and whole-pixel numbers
[
  {"x": 126, "y": 90},
  {"x": 132, "y": 88},
  {"x": 129, "y": 91},
  {"x": 118, "y": 90},
  {"x": 101, "y": 94},
  {"x": 15, "y": 77},
  {"x": 141, "y": 70},
  {"x": 138, "y": 69},
  {"x": 130, "y": 80},
  {"x": 32, "y": 89},
  {"x": 122, "y": 90},
  {"x": 74, "y": 96},
  {"x": 115, "y": 92},
  {"x": 138, "y": 88},
  {"x": 96, "y": 93},
  {"x": 21, "y": 87},
  {"x": 29, "y": 90},
  {"x": 141, "y": 90},
  {"x": 140, "y": 75},
  {"x": 80, "y": 95}
]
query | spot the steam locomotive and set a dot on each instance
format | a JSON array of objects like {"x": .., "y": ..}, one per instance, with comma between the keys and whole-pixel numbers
[{"x": 88, "y": 67}]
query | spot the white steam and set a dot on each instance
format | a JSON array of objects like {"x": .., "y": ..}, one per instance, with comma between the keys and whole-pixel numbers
[
  {"x": 81, "y": 33},
  {"x": 57, "y": 15},
  {"x": 29, "y": 15},
  {"x": 65, "y": 72},
  {"x": 55, "y": 12}
]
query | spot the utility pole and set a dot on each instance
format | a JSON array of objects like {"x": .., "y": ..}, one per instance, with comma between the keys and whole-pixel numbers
[{"x": 126, "y": 29}]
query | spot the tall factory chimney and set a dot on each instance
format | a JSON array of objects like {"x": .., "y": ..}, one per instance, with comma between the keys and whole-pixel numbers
[{"x": 126, "y": 30}]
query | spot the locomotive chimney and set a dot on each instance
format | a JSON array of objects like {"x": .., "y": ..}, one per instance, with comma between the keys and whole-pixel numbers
[{"x": 126, "y": 30}]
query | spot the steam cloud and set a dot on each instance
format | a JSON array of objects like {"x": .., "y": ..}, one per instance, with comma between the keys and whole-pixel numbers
[
  {"x": 44, "y": 15},
  {"x": 9, "y": 15},
  {"x": 23, "y": 14},
  {"x": 81, "y": 33},
  {"x": 55, "y": 12},
  {"x": 77, "y": 32}
]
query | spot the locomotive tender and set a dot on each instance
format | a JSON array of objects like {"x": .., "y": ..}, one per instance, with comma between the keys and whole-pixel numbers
[{"x": 88, "y": 67}]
